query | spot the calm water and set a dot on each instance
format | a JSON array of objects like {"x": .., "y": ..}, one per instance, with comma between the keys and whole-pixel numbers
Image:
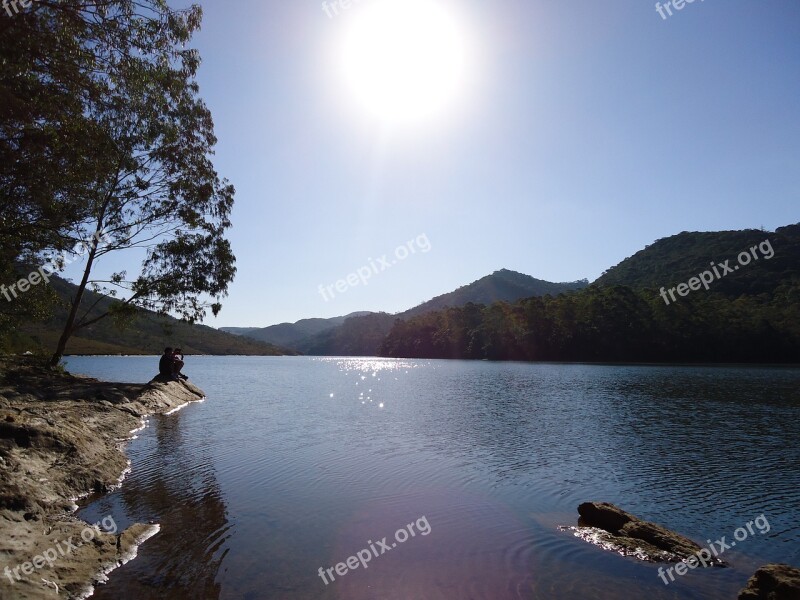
[{"x": 293, "y": 464}]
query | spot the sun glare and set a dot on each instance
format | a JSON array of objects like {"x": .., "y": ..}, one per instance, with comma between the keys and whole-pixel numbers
[{"x": 404, "y": 60}]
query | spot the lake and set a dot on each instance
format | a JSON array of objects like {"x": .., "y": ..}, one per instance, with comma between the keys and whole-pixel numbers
[{"x": 294, "y": 464}]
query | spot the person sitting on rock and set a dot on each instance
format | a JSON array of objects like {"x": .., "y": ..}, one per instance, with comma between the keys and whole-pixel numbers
[
  {"x": 177, "y": 365},
  {"x": 166, "y": 364}
]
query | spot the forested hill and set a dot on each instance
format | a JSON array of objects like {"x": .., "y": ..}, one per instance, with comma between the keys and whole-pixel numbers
[
  {"x": 750, "y": 315},
  {"x": 502, "y": 285},
  {"x": 363, "y": 335},
  {"x": 357, "y": 336},
  {"x": 360, "y": 334},
  {"x": 678, "y": 258},
  {"x": 146, "y": 333},
  {"x": 610, "y": 324}
]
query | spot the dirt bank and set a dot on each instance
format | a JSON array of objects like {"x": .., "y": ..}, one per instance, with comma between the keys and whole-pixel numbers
[{"x": 61, "y": 438}]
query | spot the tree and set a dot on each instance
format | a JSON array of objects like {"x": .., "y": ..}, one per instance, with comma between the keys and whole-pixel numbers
[
  {"x": 151, "y": 185},
  {"x": 49, "y": 151}
]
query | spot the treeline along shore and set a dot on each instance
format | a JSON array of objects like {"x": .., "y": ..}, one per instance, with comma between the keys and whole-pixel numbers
[{"x": 610, "y": 324}]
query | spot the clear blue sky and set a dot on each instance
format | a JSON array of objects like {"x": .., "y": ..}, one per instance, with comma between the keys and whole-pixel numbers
[{"x": 588, "y": 130}]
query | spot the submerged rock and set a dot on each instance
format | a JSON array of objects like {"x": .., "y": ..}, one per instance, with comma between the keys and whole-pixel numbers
[
  {"x": 773, "y": 582},
  {"x": 611, "y": 528}
]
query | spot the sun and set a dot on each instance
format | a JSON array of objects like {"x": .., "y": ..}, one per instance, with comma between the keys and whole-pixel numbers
[{"x": 404, "y": 60}]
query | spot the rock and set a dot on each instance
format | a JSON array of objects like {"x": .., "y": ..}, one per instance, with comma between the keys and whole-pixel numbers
[
  {"x": 604, "y": 515},
  {"x": 773, "y": 582},
  {"x": 160, "y": 396},
  {"x": 612, "y": 528},
  {"x": 661, "y": 538},
  {"x": 62, "y": 443}
]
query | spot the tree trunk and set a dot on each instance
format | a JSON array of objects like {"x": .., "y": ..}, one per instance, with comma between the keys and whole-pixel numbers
[{"x": 69, "y": 327}]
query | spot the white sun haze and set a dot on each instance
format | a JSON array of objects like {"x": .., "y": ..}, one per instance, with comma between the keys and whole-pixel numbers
[{"x": 403, "y": 60}]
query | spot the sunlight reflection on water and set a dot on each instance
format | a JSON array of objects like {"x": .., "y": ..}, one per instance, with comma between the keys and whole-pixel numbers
[{"x": 293, "y": 464}]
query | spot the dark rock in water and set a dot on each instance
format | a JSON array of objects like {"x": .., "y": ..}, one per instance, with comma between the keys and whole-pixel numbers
[
  {"x": 604, "y": 515},
  {"x": 773, "y": 582},
  {"x": 609, "y": 527}
]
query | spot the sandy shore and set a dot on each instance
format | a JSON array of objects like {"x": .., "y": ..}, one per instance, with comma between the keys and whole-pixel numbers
[{"x": 62, "y": 438}]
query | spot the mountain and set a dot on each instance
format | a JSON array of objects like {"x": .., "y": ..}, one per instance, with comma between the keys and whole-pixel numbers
[
  {"x": 676, "y": 259},
  {"x": 611, "y": 324},
  {"x": 357, "y": 336},
  {"x": 146, "y": 333},
  {"x": 502, "y": 285},
  {"x": 748, "y": 314},
  {"x": 291, "y": 334},
  {"x": 360, "y": 334}
]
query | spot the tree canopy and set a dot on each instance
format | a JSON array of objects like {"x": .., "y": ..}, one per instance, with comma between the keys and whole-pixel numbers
[{"x": 106, "y": 142}]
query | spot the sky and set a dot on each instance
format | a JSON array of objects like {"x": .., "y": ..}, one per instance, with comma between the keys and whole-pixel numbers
[{"x": 575, "y": 133}]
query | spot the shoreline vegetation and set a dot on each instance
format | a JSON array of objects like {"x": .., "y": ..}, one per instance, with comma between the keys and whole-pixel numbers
[
  {"x": 62, "y": 438},
  {"x": 613, "y": 324}
]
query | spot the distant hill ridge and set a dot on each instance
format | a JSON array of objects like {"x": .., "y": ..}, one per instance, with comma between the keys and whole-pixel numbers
[
  {"x": 666, "y": 262},
  {"x": 289, "y": 334},
  {"x": 360, "y": 334},
  {"x": 146, "y": 333},
  {"x": 749, "y": 314},
  {"x": 501, "y": 286}
]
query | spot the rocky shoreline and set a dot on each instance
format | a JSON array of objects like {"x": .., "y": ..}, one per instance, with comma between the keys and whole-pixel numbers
[{"x": 61, "y": 439}]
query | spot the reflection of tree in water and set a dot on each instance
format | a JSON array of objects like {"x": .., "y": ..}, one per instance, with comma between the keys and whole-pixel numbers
[{"x": 177, "y": 487}]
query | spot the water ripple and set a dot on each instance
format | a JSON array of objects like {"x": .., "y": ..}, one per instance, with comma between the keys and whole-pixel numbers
[{"x": 295, "y": 464}]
